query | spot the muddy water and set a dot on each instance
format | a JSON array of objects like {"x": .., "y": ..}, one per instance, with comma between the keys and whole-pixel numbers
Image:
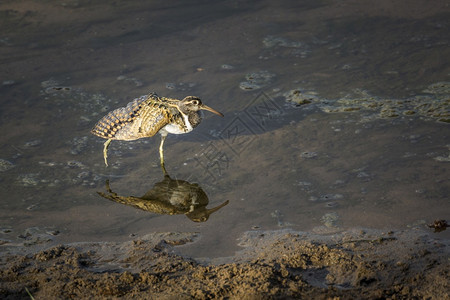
[{"x": 336, "y": 117}]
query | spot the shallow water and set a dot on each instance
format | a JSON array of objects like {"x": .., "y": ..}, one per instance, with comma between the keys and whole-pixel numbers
[{"x": 336, "y": 116}]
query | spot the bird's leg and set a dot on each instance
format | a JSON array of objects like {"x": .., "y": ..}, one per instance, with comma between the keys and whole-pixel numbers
[
  {"x": 105, "y": 151},
  {"x": 161, "y": 153}
]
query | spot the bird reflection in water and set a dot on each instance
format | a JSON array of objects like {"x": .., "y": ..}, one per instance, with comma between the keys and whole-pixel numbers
[{"x": 169, "y": 197}]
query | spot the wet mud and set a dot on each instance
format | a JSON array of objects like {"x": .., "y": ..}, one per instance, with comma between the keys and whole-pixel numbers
[{"x": 285, "y": 264}]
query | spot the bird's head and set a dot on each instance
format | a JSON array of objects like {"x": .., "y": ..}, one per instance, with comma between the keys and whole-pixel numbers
[{"x": 194, "y": 104}]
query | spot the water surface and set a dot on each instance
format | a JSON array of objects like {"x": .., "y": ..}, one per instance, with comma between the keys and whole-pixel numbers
[{"x": 336, "y": 116}]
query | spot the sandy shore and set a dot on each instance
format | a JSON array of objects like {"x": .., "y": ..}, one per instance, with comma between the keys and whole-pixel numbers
[{"x": 272, "y": 265}]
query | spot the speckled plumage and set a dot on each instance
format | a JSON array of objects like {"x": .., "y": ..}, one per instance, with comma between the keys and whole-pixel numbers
[
  {"x": 147, "y": 115},
  {"x": 143, "y": 117}
]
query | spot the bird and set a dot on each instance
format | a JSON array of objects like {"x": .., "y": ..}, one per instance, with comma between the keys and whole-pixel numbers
[{"x": 148, "y": 115}]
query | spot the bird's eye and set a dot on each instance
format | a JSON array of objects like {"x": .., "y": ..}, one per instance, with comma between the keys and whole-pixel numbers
[{"x": 195, "y": 102}]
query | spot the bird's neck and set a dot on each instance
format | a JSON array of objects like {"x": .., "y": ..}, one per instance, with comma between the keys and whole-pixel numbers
[{"x": 194, "y": 118}]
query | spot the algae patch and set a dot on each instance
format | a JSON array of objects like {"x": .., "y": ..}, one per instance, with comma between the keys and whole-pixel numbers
[
  {"x": 5, "y": 165},
  {"x": 435, "y": 104}
]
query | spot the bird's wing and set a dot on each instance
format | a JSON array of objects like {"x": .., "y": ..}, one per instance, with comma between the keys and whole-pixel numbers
[
  {"x": 155, "y": 206},
  {"x": 142, "y": 117}
]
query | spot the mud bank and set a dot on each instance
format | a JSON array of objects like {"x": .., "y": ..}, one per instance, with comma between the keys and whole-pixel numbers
[{"x": 272, "y": 265}]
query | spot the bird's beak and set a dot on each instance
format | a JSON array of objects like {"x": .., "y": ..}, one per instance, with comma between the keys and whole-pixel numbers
[
  {"x": 205, "y": 107},
  {"x": 211, "y": 210}
]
